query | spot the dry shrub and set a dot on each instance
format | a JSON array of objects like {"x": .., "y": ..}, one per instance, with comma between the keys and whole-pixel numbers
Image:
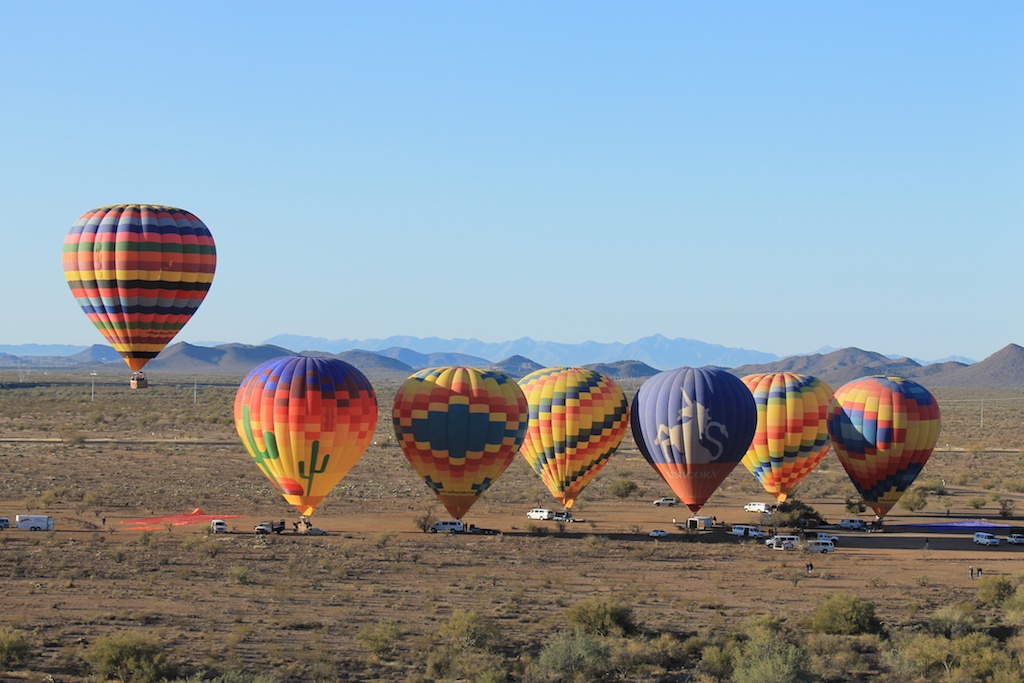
[
  {"x": 603, "y": 616},
  {"x": 14, "y": 647},
  {"x": 129, "y": 657}
]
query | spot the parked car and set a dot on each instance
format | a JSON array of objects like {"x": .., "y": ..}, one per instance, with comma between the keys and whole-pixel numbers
[
  {"x": 746, "y": 531},
  {"x": 787, "y": 538},
  {"x": 315, "y": 531},
  {"x": 985, "y": 538},
  {"x": 540, "y": 513},
  {"x": 853, "y": 523},
  {"x": 563, "y": 517},
  {"x": 667, "y": 502},
  {"x": 5, "y": 522},
  {"x": 455, "y": 526},
  {"x": 821, "y": 536},
  {"x": 758, "y": 507},
  {"x": 269, "y": 528},
  {"x": 820, "y": 547},
  {"x": 218, "y": 526},
  {"x": 658, "y": 533},
  {"x": 782, "y": 545},
  {"x": 1015, "y": 539}
]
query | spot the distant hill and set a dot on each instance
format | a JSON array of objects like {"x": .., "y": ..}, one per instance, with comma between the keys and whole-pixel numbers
[
  {"x": 229, "y": 359},
  {"x": 1002, "y": 370},
  {"x": 97, "y": 353},
  {"x": 657, "y": 351},
  {"x": 838, "y": 367},
  {"x": 516, "y": 367},
  {"x": 373, "y": 364},
  {"x": 624, "y": 369},
  {"x": 415, "y": 359}
]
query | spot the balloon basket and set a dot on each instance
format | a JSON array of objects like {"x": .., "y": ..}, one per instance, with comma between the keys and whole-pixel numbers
[{"x": 138, "y": 381}]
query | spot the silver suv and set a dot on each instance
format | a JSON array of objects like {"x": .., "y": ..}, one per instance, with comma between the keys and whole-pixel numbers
[{"x": 667, "y": 502}]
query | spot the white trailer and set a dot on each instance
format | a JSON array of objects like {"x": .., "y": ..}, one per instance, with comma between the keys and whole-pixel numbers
[{"x": 33, "y": 522}]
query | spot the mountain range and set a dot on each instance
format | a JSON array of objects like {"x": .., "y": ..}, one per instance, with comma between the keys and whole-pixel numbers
[{"x": 1002, "y": 370}]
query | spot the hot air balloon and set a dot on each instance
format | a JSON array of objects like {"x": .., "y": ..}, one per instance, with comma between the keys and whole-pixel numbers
[
  {"x": 693, "y": 425},
  {"x": 305, "y": 422},
  {"x": 139, "y": 271},
  {"x": 577, "y": 419},
  {"x": 791, "y": 436},
  {"x": 883, "y": 429},
  {"x": 460, "y": 428}
]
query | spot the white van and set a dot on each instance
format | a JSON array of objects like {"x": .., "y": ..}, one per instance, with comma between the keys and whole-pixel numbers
[
  {"x": 540, "y": 513},
  {"x": 820, "y": 547},
  {"x": 853, "y": 523},
  {"x": 453, "y": 526},
  {"x": 746, "y": 531},
  {"x": 775, "y": 541},
  {"x": 218, "y": 526},
  {"x": 758, "y": 507},
  {"x": 985, "y": 538}
]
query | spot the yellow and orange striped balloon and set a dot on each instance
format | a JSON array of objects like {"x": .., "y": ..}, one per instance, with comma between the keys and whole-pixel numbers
[
  {"x": 792, "y": 435},
  {"x": 577, "y": 420}
]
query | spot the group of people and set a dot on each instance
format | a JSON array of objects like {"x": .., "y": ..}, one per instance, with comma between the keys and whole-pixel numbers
[{"x": 971, "y": 570}]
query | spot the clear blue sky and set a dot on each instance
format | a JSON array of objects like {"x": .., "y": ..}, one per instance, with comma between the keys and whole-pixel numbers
[{"x": 773, "y": 176}]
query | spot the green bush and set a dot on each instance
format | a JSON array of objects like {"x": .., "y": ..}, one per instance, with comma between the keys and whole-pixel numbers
[
  {"x": 768, "y": 657},
  {"x": 129, "y": 657},
  {"x": 954, "y": 620},
  {"x": 976, "y": 502},
  {"x": 571, "y": 656},
  {"x": 602, "y": 616},
  {"x": 230, "y": 677},
  {"x": 794, "y": 514},
  {"x": 623, "y": 488},
  {"x": 914, "y": 500},
  {"x": 844, "y": 614},
  {"x": 381, "y": 639},
  {"x": 469, "y": 630},
  {"x": 994, "y": 590},
  {"x": 14, "y": 647}
]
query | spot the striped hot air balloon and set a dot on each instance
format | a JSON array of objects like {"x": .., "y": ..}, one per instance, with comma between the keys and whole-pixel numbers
[
  {"x": 460, "y": 428},
  {"x": 791, "y": 436},
  {"x": 884, "y": 430},
  {"x": 577, "y": 419},
  {"x": 305, "y": 422},
  {"x": 693, "y": 425},
  {"x": 139, "y": 271}
]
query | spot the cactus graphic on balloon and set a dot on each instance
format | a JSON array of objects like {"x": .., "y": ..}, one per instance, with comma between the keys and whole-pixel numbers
[{"x": 305, "y": 422}]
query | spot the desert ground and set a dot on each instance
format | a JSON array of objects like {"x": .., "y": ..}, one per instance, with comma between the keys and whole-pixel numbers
[{"x": 379, "y": 600}]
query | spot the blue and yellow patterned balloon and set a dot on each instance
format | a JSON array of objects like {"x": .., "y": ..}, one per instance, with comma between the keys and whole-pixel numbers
[
  {"x": 460, "y": 428},
  {"x": 577, "y": 420},
  {"x": 884, "y": 430}
]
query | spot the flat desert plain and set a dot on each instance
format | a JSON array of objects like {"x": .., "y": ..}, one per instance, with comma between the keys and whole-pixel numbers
[{"x": 307, "y": 608}]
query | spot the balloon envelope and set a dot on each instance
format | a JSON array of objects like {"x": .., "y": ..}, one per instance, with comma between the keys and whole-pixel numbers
[
  {"x": 792, "y": 435},
  {"x": 305, "y": 422},
  {"x": 139, "y": 272},
  {"x": 460, "y": 428},
  {"x": 693, "y": 425},
  {"x": 577, "y": 418},
  {"x": 883, "y": 429}
]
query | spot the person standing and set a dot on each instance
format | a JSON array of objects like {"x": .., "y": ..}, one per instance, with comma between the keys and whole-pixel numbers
[
  {"x": 979, "y": 572},
  {"x": 971, "y": 570}
]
